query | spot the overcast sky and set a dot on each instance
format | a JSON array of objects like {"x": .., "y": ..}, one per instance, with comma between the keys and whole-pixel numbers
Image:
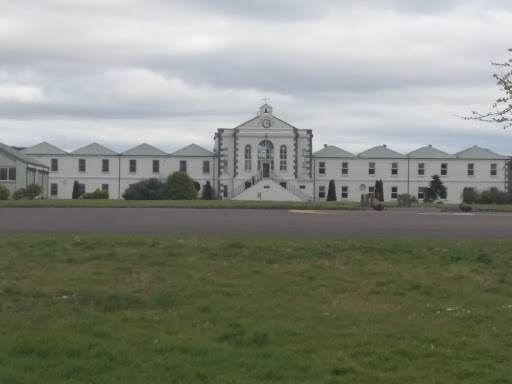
[{"x": 170, "y": 72}]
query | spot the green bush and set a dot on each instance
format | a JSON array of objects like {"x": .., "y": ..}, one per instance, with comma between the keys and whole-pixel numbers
[
  {"x": 180, "y": 187},
  {"x": 150, "y": 189},
  {"x": 97, "y": 194},
  {"x": 197, "y": 185},
  {"x": 493, "y": 196},
  {"x": 76, "y": 190},
  {"x": 19, "y": 194},
  {"x": 207, "y": 192},
  {"x": 32, "y": 191},
  {"x": 4, "y": 192},
  {"x": 331, "y": 191}
]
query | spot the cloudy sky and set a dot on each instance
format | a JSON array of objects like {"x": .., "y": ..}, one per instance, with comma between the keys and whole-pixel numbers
[{"x": 170, "y": 72}]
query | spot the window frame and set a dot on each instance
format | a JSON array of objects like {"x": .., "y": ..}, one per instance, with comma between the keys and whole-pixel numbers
[
  {"x": 183, "y": 166},
  {"x": 321, "y": 191},
  {"x": 394, "y": 191},
  {"x": 54, "y": 165},
  {"x": 444, "y": 169},
  {"x": 471, "y": 169},
  {"x": 372, "y": 168},
  {"x": 206, "y": 167},
  {"x": 321, "y": 168},
  {"x": 248, "y": 157},
  {"x": 82, "y": 165},
  {"x": 344, "y": 192},
  {"x": 105, "y": 165},
  {"x": 344, "y": 168},
  {"x": 54, "y": 190},
  {"x": 155, "y": 165},
  {"x": 421, "y": 169},
  {"x": 494, "y": 169},
  {"x": 132, "y": 166},
  {"x": 394, "y": 169}
]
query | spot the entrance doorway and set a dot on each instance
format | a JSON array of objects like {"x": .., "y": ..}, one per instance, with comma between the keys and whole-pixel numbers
[{"x": 266, "y": 169}]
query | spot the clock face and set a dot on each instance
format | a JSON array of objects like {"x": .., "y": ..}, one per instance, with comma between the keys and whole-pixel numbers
[{"x": 266, "y": 123}]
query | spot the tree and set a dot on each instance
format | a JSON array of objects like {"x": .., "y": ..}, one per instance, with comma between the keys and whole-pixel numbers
[
  {"x": 502, "y": 107},
  {"x": 32, "y": 191},
  {"x": 180, "y": 187},
  {"x": 436, "y": 190},
  {"x": 150, "y": 189},
  {"x": 197, "y": 185},
  {"x": 4, "y": 192},
  {"x": 331, "y": 192},
  {"x": 76, "y": 190},
  {"x": 379, "y": 190},
  {"x": 207, "y": 192}
]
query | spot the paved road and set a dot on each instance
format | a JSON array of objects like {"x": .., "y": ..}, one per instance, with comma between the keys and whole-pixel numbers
[{"x": 391, "y": 223}]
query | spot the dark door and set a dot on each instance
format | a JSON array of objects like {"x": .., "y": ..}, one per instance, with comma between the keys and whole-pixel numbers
[{"x": 266, "y": 169}]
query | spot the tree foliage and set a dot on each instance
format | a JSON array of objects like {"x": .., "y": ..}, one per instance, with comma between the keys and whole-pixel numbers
[
  {"x": 207, "y": 192},
  {"x": 331, "y": 192},
  {"x": 180, "y": 187},
  {"x": 4, "y": 192},
  {"x": 32, "y": 191},
  {"x": 97, "y": 194},
  {"x": 435, "y": 191},
  {"x": 501, "y": 112},
  {"x": 150, "y": 189},
  {"x": 76, "y": 190},
  {"x": 379, "y": 190}
]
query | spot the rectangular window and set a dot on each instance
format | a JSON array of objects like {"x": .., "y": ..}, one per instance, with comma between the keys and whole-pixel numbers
[
  {"x": 421, "y": 193},
  {"x": 105, "y": 165},
  {"x": 282, "y": 165},
  {"x": 444, "y": 169},
  {"x": 133, "y": 166},
  {"x": 3, "y": 174},
  {"x": 302, "y": 186},
  {"x": 344, "y": 192},
  {"x": 54, "y": 189},
  {"x": 344, "y": 168},
  {"x": 248, "y": 164},
  {"x": 81, "y": 165},
  {"x": 421, "y": 169},
  {"x": 81, "y": 189},
  {"x": 225, "y": 191},
  {"x": 321, "y": 168},
  {"x": 54, "y": 165},
  {"x": 321, "y": 192},
  {"x": 156, "y": 166},
  {"x": 104, "y": 187},
  {"x": 394, "y": 193},
  {"x": 371, "y": 168},
  {"x": 206, "y": 166},
  {"x": 12, "y": 173},
  {"x": 494, "y": 169},
  {"x": 394, "y": 169},
  {"x": 183, "y": 165},
  {"x": 471, "y": 169},
  {"x": 371, "y": 189}
]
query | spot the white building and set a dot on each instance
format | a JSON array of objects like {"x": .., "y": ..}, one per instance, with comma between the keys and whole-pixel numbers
[{"x": 269, "y": 159}]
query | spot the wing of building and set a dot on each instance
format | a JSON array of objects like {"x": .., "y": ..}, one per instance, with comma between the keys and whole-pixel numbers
[{"x": 264, "y": 158}]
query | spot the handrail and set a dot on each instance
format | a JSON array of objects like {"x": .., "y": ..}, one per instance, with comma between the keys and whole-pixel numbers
[
  {"x": 290, "y": 187},
  {"x": 242, "y": 186}
]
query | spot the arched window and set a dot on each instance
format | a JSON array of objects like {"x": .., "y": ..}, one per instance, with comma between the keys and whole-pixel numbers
[
  {"x": 266, "y": 154},
  {"x": 282, "y": 158},
  {"x": 248, "y": 157}
]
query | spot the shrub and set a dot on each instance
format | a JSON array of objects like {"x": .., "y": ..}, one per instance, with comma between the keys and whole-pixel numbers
[
  {"x": 207, "y": 192},
  {"x": 331, "y": 192},
  {"x": 436, "y": 190},
  {"x": 19, "y": 194},
  {"x": 379, "y": 190},
  {"x": 76, "y": 190},
  {"x": 180, "y": 186},
  {"x": 414, "y": 199},
  {"x": 197, "y": 185},
  {"x": 4, "y": 192},
  {"x": 32, "y": 191},
  {"x": 150, "y": 189},
  {"x": 469, "y": 195},
  {"x": 97, "y": 194},
  {"x": 493, "y": 196}
]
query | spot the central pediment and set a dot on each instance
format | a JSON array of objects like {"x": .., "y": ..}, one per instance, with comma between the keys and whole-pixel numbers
[{"x": 265, "y": 120}]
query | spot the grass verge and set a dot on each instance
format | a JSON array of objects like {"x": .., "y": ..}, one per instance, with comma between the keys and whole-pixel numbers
[{"x": 168, "y": 309}]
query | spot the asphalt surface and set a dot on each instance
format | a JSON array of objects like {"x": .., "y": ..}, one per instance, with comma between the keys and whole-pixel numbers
[{"x": 408, "y": 223}]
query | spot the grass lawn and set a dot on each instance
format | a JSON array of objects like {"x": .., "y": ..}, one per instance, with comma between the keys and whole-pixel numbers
[
  {"x": 227, "y": 204},
  {"x": 169, "y": 309}
]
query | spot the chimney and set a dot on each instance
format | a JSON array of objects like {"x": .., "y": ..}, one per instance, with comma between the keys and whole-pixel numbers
[
  {"x": 325, "y": 145},
  {"x": 430, "y": 145},
  {"x": 384, "y": 145}
]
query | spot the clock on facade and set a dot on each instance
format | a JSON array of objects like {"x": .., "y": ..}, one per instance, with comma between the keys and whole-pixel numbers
[{"x": 266, "y": 123}]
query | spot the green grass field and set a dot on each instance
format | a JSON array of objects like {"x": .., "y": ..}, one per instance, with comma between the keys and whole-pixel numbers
[
  {"x": 227, "y": 204},
  {"x": 167, "y": 309}
]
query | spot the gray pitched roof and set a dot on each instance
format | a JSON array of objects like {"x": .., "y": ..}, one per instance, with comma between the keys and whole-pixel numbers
[
  {"x": 193, "y": 150},
  {"x": 429, "y": 152},
  {"x": 332, "y": 151},
  {"x": 381, "y": 152},
  {"x": 94, "y": 149},
  {"x": 478, "y": 153},
  {"x": 11, "y": 152},
  {"x": 44, "y": 148},
  {"x": 144, "y": 150}
]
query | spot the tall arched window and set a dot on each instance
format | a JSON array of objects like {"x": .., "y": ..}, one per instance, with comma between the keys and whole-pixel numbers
[
  {"x": 266, "y": 154},
  {"x": 248, "y": 157},
  {"x": 282, "y": 158}
]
